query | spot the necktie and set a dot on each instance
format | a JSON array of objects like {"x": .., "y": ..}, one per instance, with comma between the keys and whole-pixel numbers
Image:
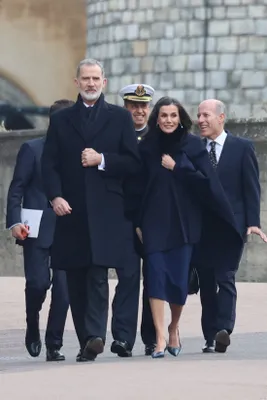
[{"x": 212, "y": 155}]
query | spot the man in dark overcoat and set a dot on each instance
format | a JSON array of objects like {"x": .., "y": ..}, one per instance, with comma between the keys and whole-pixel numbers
[
  {"x": 26, "y": 190},
  {"x": 236, "y": 166},
  {"x": 90, "y": 149}
]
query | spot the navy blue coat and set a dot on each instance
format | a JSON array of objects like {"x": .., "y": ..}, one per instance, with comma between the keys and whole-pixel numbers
[
  {"x": 238, "y": 173},
  {"x": 26, "y": 190},
  {"x": 97, "y": 230},
  {"x": 198, "y": 198}
]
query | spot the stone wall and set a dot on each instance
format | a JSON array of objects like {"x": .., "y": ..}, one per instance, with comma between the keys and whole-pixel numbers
[
  {"x": 190, "y": 49},
  {"x": 253, "y": 266}
]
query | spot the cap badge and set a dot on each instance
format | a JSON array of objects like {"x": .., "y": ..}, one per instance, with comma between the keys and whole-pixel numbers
[{"x": 140, "y": 91}]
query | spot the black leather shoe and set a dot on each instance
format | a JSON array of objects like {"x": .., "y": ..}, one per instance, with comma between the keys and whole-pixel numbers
[
  {"x": 121, "y": 348},
  {"x": 54, "y": 355},
  {"x": 92, "y": 348},
  {"x": 80, "y": 358},
  {"x": 149, "y": 349},
  {"x": 222, "y": 341},
  {"x": 209, "y": 347},
  {"x": 33, "y": 342}
]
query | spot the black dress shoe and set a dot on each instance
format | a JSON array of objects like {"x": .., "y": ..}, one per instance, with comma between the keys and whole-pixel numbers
[
  {"x": 54, "y": 355},
  {"x": 33, "y": 343},
  {"x": 92, "y": 348},
  {"x": 222, "y": 341},
  {"x": 80, "y": 358},
  {"x": 149, "y": 349},
  {"x": 209, "y": 347},
  {"x": 121, "y": 348}
]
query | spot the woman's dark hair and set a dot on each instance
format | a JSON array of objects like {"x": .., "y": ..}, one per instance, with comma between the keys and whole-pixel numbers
[{"x": 185, "y": 120}]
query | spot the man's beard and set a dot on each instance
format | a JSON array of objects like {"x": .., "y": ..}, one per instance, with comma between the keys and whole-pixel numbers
[{"x": 90, "y": 96}]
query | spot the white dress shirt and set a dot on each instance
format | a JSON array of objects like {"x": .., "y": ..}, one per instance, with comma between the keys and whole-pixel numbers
[
  {"x": 219, "y": 144},
  {"x": 102, "y": 165}
]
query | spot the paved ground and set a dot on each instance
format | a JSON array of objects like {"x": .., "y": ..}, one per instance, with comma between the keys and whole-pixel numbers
[{"x": 240, "y": 374}]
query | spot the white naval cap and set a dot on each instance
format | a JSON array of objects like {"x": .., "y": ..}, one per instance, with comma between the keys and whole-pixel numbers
[{"x": 137, "y": 92}]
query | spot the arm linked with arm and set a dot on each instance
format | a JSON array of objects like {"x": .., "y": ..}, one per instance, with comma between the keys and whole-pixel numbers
[
  {"x": 193, "y": 168},
  {"x": 127, "y": 162},
  {"x": 134, "y": 190}
]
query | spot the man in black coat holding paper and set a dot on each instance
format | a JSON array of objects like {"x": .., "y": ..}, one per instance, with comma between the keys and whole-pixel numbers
[
  {"x": 26, "y": 189},
  {"x": 90, "y": 149}
]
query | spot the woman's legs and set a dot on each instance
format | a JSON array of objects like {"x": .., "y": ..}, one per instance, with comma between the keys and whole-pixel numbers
[
  {"x": 157, "y": 309},
  {"x": 178, "y": 261},
  {"x": 174, "y": 339}
]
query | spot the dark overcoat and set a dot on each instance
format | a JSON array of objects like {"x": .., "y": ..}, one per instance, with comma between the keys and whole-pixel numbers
[
  {"x": 238, "y": 173},
  {"x": 96, "y": 231},
  {"x": 201, "y": 202}
]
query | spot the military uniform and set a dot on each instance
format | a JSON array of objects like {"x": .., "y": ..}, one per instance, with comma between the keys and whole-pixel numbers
[
  {"x": 140, "y": 134},
  {"x": 126, "y": 300}
]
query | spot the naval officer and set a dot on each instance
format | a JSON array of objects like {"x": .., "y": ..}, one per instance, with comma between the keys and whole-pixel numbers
[{"x": 137, "y": 99}]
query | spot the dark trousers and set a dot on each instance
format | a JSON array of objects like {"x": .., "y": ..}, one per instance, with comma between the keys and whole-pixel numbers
[
  {"x": 148, "y": 332},
  {"x": 38, "y": 280},
  {"x": 89, "y": 301},
  {"x": 218, "y": 298},
  {"x": 126, "y": 303}
]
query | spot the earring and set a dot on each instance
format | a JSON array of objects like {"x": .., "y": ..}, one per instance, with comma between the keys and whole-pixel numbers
[{"x": 181, "y": 126}]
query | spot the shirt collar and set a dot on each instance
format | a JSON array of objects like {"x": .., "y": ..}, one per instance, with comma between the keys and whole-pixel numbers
[
  {"x": 219, "y": 139},
  {"x": 87, "y": 105},
  {"x": 138, "y": 130}
]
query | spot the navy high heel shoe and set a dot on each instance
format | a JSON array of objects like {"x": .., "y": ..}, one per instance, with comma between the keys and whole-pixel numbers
[
  {"x": 174, "y": 351},
  {"x": 159, "y": 354}
]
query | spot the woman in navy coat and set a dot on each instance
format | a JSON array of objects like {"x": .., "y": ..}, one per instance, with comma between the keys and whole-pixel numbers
[{"x": 179, "y": 186}]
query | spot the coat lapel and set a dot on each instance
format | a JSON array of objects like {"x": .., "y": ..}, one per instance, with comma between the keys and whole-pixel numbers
[
  {"x": 75, "y": 118},
  {"x": 99, "y": 118},
  {"x": 225, "y": 154},
  {"x": 98, "y": 121}
]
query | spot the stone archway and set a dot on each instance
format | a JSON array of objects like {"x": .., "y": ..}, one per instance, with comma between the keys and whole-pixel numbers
[
  {"x": 12, "y": 94},
  {"x": 12, "y": 98}
]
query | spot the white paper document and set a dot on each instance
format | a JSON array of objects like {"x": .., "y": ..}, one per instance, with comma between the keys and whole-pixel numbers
[{"x": 32, "y": 218}]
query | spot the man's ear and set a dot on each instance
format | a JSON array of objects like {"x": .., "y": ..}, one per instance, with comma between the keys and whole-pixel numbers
[
  {"x": 76, "y": 82},
  {"x": 222, "y": 118}
]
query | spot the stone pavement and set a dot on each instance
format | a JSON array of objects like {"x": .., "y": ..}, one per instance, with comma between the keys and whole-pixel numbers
[{"x": 240, "y": 374}]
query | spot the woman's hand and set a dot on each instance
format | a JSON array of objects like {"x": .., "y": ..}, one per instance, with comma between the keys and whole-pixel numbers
[
  {"x": 168, "y": 162},
  {"x": 139, "y": 234}
]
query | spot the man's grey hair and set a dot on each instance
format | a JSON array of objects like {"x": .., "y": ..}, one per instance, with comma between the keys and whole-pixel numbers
[
  {"x": 220, "y": 107},
  {"x": 89, "y": 61}
]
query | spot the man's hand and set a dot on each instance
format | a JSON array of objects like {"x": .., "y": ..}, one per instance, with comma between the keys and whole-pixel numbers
[
  {"x": 61, "y": 207},
  {"x": 139, "y": 234},
  {"x": 257, "y": 231},
  {"x": 20, "y": 231},
  {"x": 90, "y": 158},
  {"x": 168, "y": 162}
]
